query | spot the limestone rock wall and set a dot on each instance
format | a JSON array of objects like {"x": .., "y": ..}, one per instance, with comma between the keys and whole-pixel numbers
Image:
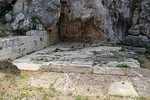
[
  {"x": 145, "y": 17},
  {"x": 139, "y": 32},
  {"x": 14, "y": 47},
  {"x": 77, "y": 22},
  {"x": 90, "y": 21}
]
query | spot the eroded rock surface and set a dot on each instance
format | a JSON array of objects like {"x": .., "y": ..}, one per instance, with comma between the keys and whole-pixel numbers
[
  {"x": 90, "y": 21},
  {"x": 83, "y": 20},
  {"x": 9, "y": 67},
  {"x": 78, "y": 54}
]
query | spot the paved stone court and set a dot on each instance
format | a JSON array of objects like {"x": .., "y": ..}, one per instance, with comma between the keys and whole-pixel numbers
[
  {"x": 99, "y": 80},
  {"x": 78, "y": 54},
  {"x": 88, "y": 69}
]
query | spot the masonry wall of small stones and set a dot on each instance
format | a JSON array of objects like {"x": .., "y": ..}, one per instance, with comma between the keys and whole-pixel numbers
[{"x": 15, "y": 47}]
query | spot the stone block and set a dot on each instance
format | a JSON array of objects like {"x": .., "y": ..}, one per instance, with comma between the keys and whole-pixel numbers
[{"x": 142, "y": 85}]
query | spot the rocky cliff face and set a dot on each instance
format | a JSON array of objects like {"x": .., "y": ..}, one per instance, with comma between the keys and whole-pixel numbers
[{"x": 91, "y": 21}]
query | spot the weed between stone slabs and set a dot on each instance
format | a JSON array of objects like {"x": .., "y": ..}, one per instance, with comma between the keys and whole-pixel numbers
[{"x": 123, "y": 66}]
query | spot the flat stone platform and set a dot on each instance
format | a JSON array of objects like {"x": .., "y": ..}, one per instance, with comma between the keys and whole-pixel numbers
[
  {"x": 88, "y": 69},
  {"x": 78, "y": 54}
]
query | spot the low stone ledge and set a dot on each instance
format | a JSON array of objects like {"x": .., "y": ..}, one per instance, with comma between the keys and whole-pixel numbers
[{"x": 18, "y": 46}]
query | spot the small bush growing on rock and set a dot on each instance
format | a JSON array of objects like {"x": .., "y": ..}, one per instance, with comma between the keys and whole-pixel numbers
[
  {"x": 92, "y": 71},
  {"x": 94, "y": 52},
  {"x": 122, "y": 66},
  {"x": 1, "y": 48},
  {"x": 142, "y": 33},
  {"x": 69, "y": 94},
  {"x": 57, "y": 50},
  {"x": 122, "y": 49}
]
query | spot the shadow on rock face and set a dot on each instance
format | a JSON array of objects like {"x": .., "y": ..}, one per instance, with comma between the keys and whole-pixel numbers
[{"x": 9, "y": 67}]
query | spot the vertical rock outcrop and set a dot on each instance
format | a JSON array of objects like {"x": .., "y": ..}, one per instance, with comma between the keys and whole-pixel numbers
[
  {"x": 78, "y": 23},
  {"x": 90, "y": 21},
  {"x": 45, "y": 12},
  {"x": 145, "y": 17},
  {"x": 94, "y": 20},
  {"x": 139, "y": 32}
]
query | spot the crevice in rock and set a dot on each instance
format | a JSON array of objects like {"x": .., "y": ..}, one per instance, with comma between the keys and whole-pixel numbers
[{"x": 6, "y": 6}]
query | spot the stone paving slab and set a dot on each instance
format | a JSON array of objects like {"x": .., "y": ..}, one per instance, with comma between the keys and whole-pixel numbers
[
  {"x": 114, "y": 71},
  {"x": 67, "y": 69},
  {"x": 45, "y": 80},
  {"x": 136, "y": 72},
  {"x": 67, "y": 82},
  {"x": 142, "y": 72},
  {"x": 92, "y": 84},
  {"x": 78, "y": 69},
  {"x": 123, "y": 88},
  {"x": 142, "y": 85},
  {"x": 116, "y": 78},
  {"x": 28, "y": 66}
]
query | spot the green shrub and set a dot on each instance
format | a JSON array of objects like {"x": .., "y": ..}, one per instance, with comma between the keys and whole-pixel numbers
[
  {"x": 94, "y": 52},
  {"x": 122, "y": 66},
  {"x": 57, "y": 50},
  {"x": 1, "y": 48},
  {"x": 142, "y": 33},
  {"x": 122, "y": 49},
  {"x": 69, "y": 94},
  {"x": 78, "y": 97}
]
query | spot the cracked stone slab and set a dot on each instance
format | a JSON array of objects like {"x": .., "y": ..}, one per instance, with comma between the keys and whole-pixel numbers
[
  {"x": 81, "y": 83},
  {"x": 142, "y": 85},
  {"x": 132, "y": 63},
  {"x": 110, "y": 79},
  {"x": 142, "y": 72},
  {"x": 78, "y": 69},
  {"x": 53, "y": 68},
  {"x": 44, "y": 80},
  {"x": 92, "y": 84},
  {"x": 67, "y": 69},
  {"x": 27, "y": 66},
  {"x": 129, "y": 72},
  {"x": 114, "y": 71},
  {"x": 123, "y": 88},
  {"x": 67, "y": 81},
  {"x": 116, "y": 78},
  {"x": 100, "y": 70},
  {"x": 136, "y": 72}
]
